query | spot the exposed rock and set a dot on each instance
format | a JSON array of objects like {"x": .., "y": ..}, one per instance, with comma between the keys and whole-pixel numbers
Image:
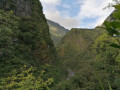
[
  {"x": 21, "y": 7},
  {"x": 24, "y": 7}
]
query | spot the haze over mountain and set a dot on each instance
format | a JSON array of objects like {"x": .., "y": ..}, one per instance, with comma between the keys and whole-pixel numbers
[{"x": 56, "y": 31}]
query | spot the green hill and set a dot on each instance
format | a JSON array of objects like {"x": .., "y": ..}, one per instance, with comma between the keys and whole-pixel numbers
[
  {"x": 75, "y": 53},
  {"x": 77, "y": 40},
  {"x": 78, "y": 43},
  {"x": 57, "y": 31}
]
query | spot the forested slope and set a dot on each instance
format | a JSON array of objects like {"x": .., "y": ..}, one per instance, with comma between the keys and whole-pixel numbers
[
  {"x": 33, "y": 38},
  {"x": 25, "y": 45}
]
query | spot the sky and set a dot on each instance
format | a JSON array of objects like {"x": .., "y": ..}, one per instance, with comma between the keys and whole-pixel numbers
[{"x": 77, "y": 13}]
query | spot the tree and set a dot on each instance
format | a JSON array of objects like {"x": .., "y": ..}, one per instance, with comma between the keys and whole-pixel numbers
[
  {"x": 8, "y": 41},
  {"x": 8, "y": 33},
  {"x": 113, "y": 26},
  {"x": 114, "y": 2},
  {"x": 107, "y": 57}
]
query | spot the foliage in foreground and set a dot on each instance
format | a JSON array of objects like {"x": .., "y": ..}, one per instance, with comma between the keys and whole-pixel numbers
[{"x": 26, "y": 81}]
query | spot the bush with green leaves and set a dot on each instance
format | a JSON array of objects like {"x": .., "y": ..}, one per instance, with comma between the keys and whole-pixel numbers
[
  {"x": 107, "y": 49},
  {"x": 113, "y": 26},
  {"x": 25, "y": 80}
]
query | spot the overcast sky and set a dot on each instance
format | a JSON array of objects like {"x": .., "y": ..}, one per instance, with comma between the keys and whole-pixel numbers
[{"x": 76, "y": 13}]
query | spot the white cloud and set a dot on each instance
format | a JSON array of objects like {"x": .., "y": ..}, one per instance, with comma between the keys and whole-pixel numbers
[
  {"x": 66, "y": 6},
  {"x": 52, "y": 2},
  {"x": 51, "y": 12},
  {"x": 63, "y": 20},
  {"x": 88, "y": 9},
  {"x": 94, "y": 9}
]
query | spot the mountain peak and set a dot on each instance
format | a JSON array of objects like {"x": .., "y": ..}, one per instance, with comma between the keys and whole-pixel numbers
[{"x": 57, "y": 31}]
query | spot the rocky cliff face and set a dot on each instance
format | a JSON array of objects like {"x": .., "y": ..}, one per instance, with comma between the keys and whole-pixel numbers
[
  {"x": 34, "y": 37},
  {"x": 22, "y": 7}
]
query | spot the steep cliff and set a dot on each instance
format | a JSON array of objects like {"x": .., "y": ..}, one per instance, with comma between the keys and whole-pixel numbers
[{"x": 34, "y": 41}]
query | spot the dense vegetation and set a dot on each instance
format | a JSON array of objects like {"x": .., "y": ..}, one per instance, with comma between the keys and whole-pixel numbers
[
  {"x": 86, "y": 59},
  {"x": 34, "y": 39},
  {"x": 25, "y": 42}
]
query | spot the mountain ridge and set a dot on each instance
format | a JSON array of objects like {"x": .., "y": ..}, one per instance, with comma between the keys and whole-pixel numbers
[{"x": 57, "y": 31}]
